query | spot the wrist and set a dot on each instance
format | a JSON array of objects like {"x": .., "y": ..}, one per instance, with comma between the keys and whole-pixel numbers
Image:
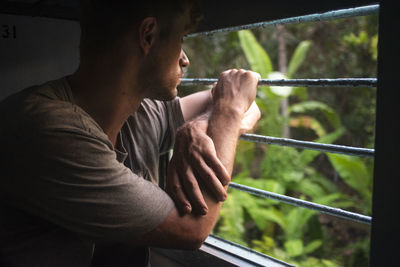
[{"x": 229, "y": 110}]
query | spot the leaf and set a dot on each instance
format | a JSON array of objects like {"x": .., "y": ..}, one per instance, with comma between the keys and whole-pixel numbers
[
  {"x": 298, "y": 57},
  {"x": 263, "y": 216},
  {"x": 301, "y": 92},
  {"x": 283, "y": 91},
  {"x": 280, "y": 160},
  {"x": 292, "y": 176},
  {"x": 256, "y": 56},
  {"x": 231, "y": 219},
  {"x": 308, "y": 106},
  {"x": 306, "y": 156},
  {"x": 263, "y": 184},
  {"x": 244, "y": 155},
  {"x": 353, "y": 172},
  {"x": 296, "y": 219},
  {"x": 327, "y": 199},
  {"x": 308, "y": 122},
  {"x": 264, "y": 245},
  {"x": 373, "y": 50},
  {"x": 312, "y": 246},
  {"x": 310, "y": 189},
  {"x": 315, "y": 262},
  {"x": 328, "y": 185},
  {"x": 256, "y": 206},
  {"x": 294, "y": 247}
]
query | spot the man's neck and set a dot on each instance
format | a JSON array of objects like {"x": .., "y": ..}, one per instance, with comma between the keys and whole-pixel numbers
[{"x": 107, "y": 95}]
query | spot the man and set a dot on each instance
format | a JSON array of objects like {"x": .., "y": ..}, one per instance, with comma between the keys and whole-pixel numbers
[{"x": 82, "y": 152}]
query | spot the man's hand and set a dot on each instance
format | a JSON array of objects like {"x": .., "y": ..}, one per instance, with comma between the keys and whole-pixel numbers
[
  {"x": 250, "y": 119},
  {"x": 236, "y": 89},
  {"x": 233, "y": 94},
  {"x": 195, "y": 162}
]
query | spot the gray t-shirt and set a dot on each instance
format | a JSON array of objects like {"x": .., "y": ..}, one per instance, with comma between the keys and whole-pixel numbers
[{"x": 64, "y": 186}]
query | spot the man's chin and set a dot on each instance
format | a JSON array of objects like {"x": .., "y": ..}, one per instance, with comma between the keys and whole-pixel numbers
[{"x": 167, "y": 95}]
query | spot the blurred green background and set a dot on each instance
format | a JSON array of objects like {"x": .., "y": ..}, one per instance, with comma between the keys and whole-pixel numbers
[{"x": 341, "y": 48}]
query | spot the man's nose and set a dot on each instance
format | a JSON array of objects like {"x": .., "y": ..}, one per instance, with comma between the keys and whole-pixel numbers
[{"x": 184, "y": 60}]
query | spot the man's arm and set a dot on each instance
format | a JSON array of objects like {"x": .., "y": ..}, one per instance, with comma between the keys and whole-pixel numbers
[
  {"x": 198, "y": 161},
  {"x": 233, "y": 94},
  {"x": 196, "y": 104},
  {"x": 198, "y": 154}
]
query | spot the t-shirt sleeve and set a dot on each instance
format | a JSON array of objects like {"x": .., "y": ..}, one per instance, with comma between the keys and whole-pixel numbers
[
  {"x": 75, "y": 181},
  {"x": 165, "y": 118}
]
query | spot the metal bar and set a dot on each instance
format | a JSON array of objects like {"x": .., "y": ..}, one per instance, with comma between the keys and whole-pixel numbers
[
  {"x": 305, "y": 204},
  {"x": 338, "y": 149},
  {"x": 336, "y": 14},
  {"x": 247, "y": 256},
  {"x": 217, "y": 251},
  {"x": 340, "y": 82}
]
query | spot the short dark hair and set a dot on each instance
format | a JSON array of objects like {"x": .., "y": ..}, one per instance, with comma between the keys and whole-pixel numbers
[{"x": 103, "y": 21}]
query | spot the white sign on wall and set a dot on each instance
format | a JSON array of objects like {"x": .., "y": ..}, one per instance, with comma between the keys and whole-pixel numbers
[{"x": 34, "y": 50}]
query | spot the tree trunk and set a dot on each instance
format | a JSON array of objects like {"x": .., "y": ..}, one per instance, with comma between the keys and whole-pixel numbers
[{"x": 280, "y": 30}]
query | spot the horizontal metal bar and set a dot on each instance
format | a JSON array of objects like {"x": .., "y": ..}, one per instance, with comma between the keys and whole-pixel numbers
[
  {"x": 304, "y": 204},
  {"x": 336, "y": 14},
  {"x": 340, "y": 82},
  {"x": 338, "y": 149}
]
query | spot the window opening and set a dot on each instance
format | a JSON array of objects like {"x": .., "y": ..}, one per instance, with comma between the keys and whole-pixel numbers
[{"x": 294, "y": 247}]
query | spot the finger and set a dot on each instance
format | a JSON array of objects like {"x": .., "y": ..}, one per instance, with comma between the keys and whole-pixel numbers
[
  {"x": 210, "y": 180},
  {"x": 217, "y": 167},
  {"x": 174, "y": 188},
  {"x": 213, "y": 89},
  {"x": 257, "y": 75},
  {"x": 209, "y": 155},
  {"x": 193, "y": 191}
]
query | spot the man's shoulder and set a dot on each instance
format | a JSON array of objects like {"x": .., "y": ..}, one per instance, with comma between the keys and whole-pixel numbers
[{"x": 46, "y": 107}]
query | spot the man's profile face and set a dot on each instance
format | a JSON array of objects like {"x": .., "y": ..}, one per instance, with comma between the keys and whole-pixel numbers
[{"x": 164, "y": 67}]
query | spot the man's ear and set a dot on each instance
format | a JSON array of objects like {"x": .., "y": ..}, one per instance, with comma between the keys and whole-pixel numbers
[{"x": 148, "y": 30}]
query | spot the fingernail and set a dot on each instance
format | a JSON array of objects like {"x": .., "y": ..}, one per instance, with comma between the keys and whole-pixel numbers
[{"x": 187, "y": 208}]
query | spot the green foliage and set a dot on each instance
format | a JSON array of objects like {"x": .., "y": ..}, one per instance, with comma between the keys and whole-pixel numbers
[
  {"x": 231, "y": 222},
  {"x": 298, "y": 57},
  {"x": 290, "y": 233},
  {"x": 338, "y": 48},
  {"x": 258, "y": 59},
  {"x": 309, "y": 106},
  {"x": 268, "y": 102},
  {"x": 363, "y": 40},
  {"x": 355, "y": 174},
  {"x": 307, "y": 156}
]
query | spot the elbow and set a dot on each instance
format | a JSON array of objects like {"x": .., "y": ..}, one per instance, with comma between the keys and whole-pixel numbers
[{"x": 195, "y": 241}]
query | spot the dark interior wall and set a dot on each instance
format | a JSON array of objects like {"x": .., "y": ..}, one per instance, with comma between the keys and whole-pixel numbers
[{"x": 385, "y": 232}]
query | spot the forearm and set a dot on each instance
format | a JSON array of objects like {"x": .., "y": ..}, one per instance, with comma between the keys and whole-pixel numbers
[
  {"x": 217, "y": 140},
  {"x": 223, "y": 123},
  {"x": 196, "y": 104},
  {"x": 190, "y": 230},
  {"x": 224, "y": 129}
]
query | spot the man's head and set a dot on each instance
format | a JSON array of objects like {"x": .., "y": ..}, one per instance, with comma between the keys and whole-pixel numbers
[{"x": 156, "y": 27}]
